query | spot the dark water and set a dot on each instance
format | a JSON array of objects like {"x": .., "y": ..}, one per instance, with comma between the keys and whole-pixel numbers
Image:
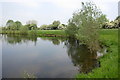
[{"x": 44, "y": 57}]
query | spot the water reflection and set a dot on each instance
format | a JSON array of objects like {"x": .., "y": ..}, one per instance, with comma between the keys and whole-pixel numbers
[
  {"x": 55, "y": 40},
  {"x": 81, "y": 56},
  {"x": 63, "y": 57},
  {"x": 14, "y": 39}
]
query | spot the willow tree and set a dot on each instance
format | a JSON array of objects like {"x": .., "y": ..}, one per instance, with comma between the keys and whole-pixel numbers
[{"x": 85, "y": 24}]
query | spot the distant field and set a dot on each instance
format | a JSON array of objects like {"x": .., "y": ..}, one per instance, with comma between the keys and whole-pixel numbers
[
  {"x": 109, "y": 62},
  {"x": 52, "y": 32}
]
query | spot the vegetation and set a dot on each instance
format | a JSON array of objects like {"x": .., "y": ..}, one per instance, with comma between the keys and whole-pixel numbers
[
  {"x": 41, "y": 33},
  {"x": 17, "y": 27},
  {"x": 54, "y": 26},
  {"x": 24, "y": 30},
  {"x": 29, "y": 76},
  {"x": 110, "y": 39},
  {"x": 16, "y": 38},
  {"x": 113, "y": 24},
  {"x": 53, "y": 33},
  {"x": 31, "y": 24},
  {"x": 84, "y": 25},
  {"x": 31, "y": 28}
]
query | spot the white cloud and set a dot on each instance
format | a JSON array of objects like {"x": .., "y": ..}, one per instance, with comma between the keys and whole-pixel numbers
[
  {"x": 67, "y": 3},
  {"x": 0, "y": 14},
  {"x": 30, "y": 4},
  {"x": 108, "y": 7},
  {"x": 61, "y": 3}
]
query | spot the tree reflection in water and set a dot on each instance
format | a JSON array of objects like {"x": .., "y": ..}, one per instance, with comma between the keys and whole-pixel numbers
[
  {"x": 81, "y": 56},
  {"x": 16, "y": 38},
  {"x": 54, "y": 40}
]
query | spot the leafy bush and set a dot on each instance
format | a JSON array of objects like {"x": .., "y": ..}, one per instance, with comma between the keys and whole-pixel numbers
[{"x": 24, "y": 30}]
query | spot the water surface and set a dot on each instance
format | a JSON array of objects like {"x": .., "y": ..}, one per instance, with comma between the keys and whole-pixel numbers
[{"x": 44, "y": 57}]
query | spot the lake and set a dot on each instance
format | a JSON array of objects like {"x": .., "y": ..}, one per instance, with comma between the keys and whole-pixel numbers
[{"x": 44, "y": 57}]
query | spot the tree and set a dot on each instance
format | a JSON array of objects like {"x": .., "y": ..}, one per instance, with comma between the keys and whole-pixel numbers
[
  {"x": 55, "y": 24},
  {"x": 71, "y": 29},
  {"x": 31, "y": 24},
  {"x": 18, "y": 25},
  {"x": 85, "y": 23},
  {"x": 24, "y": 29},
  {"x": 118, "y": 18},
  {"x": 43, "y": 27},
  {"x": 9, "y": 22},
  {"x": 61, "y": 26},
  {"x": 10, "y": 25}
]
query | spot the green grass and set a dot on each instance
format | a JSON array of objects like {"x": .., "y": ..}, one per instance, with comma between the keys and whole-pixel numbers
[
  {"x": 53, "y": 32},
  {"x": 109, "y": 62},
  {"x": 41, "y": 32}
]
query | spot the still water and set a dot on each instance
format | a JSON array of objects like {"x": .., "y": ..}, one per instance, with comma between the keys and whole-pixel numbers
[{"x": 44, "y": 57}]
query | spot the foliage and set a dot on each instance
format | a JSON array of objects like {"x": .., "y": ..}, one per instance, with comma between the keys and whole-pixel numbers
[
  {"x": 55, "y": 25},
  {"x": 29, "y": 76},
  {"x": 60, "y": 33},
  {"x": 62, "y": 26},
  {"x": 18, "y": 38},
  {"x": 24, "y": 30},
  {"x": 71, "y": 29},
  {"x": 109, "y": 38},
  {"x": 118, "y": 18},
  {"x": 11, "y": 25},
  {"x": 31, "y": 24},
  {"x": 112, "y": 24},
  {"x": 33, "y": 32},
  {"x": 1, "y": 30},
  {"x": 43, "y": 27},
  {"x": 18, "y": 25},
  {"x": 85, "y": 23},
  {"x": 9, "y": 22},
  {"x": 50, "y": 27}
]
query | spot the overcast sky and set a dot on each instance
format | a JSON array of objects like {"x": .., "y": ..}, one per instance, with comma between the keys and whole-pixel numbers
[{"x": 46, "y": 11}]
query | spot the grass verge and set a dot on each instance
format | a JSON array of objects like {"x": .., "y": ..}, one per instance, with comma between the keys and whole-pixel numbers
[
  {"x": 42, "y": 33},
  {"x": 109, "y": 62}
]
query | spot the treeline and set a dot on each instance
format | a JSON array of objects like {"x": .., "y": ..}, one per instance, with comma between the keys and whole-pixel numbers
[
  {"x": 56, "y": 25},
  {"x": 17, "y": 27},
  {"x": 113, "y": 24},
  {"x": 30, "y": 26}
]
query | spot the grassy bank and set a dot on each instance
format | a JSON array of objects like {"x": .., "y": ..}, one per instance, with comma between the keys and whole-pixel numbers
[
  {"x": 109, "y": 62},
  {"x": 41, "y": 33},
  {"x": 51, "y": 33}
]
